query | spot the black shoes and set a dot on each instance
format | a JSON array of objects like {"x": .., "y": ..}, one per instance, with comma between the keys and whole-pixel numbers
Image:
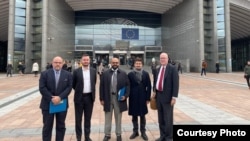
[
  {"x": 106, "y": 138},
  {"x": 88, "y": 139},
  {"x": 119, "y": 138},
  {"x": 144, "y": 136},
  {"x": 134, "y": 135}
]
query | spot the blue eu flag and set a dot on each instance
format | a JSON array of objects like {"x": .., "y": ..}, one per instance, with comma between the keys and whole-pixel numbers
[{"x": 130, "y": 34}]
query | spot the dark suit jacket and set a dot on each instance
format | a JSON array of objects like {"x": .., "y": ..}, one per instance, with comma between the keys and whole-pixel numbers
[
  {"x": 170, "y": 84},
  {"x": 78, "y": 83},
  {"x": 47, "y": 86},
  {"x": 140, "y": 92},
  {"x": 105, "y": 92}
]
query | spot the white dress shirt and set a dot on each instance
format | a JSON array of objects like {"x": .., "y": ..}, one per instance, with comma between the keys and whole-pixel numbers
[{"x": 86, "y": 80}]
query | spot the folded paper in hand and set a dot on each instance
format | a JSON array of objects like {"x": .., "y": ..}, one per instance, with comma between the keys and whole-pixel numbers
[
  {"x": 121, "y": 93},
  {"x": 62, "y": 106}
]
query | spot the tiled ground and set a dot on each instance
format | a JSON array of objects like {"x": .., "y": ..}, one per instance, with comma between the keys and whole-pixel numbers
[{"x": 226, "y": 92}]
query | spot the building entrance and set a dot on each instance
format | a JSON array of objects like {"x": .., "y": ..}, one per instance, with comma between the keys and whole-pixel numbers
[
  {"x": 3, "y": 56},
  {"x": 102, "y": 58},
  {"x": 122, "y": 58}
]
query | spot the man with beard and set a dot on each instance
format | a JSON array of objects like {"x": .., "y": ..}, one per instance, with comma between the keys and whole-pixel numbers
[
  {"x": 139, "y": 97},
  {"x": 112, "y": 81},
  {"x": 84, "y": 81},
  {"x": 55, "y": 85}
]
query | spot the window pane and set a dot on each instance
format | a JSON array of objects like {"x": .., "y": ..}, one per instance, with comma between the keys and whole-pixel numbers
[
  {"x": 20, "y": 3},
  {"x": 19, "y": 20},
  {"x": 20, "y": 12},
  {"x": 19, "y": 29}
]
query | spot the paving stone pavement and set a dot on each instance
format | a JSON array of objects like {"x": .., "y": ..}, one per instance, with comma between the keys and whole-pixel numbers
[{"x": 215, "y": 99}]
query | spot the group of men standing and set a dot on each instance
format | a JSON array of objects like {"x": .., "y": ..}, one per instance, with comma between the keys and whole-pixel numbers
[{"x": 135, "y": 98}]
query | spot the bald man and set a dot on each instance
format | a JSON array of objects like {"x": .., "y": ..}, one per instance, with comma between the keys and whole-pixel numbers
[
  {"x": 55, "y": 92},
  {"x": 112, "y": 81},
  {"x": 166, "y": 88}
]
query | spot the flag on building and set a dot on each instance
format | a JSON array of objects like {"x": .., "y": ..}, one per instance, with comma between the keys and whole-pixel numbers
[{"x": 130, "y": 33}]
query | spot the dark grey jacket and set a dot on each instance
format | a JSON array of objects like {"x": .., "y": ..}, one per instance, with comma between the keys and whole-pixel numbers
[{"x": 105, "y": 82}]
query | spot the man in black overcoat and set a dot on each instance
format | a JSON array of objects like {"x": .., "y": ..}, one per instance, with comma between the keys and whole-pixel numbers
[{"x": 140, "y": 92}]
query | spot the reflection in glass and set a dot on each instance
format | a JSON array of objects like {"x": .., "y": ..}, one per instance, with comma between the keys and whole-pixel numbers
[
  {"x": 221, "y": 25},
  {"x": 220, "y": 3},
  {"x": 20, "y": 12},
  {"x": 19, "y": 20},
  {"x": 221, "y": 33},
  {"x": 220, "y": 18},
  {"x": 21, "y": 3},
  {"x": 220, "y": 11},
  {"x": 19, "y": 36},
  {"x": 105, "y": 30},
  {"x": 19, "y": 29}
]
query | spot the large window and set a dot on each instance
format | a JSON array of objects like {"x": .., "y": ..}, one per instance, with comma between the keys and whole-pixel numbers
[
  {"x": 221, "y": 34},
  {"x": 20, "y": 25},
  {"x": 104, "y": 28}
]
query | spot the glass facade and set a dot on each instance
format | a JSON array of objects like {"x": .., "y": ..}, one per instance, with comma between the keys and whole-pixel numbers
[
  {"x": 240, "y": 53},
  {"x": 104, "y": 30},
  {"x": 19, "y": 35},
  {"x": 37, "y": 31},
  {"x": 220, "y": 11}
]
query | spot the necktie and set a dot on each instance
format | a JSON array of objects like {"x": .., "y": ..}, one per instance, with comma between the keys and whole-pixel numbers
[
  {"x": 114, "y": 81},
  {"x": 161, "y": 79},
  {"x": 57, "y": 78}
]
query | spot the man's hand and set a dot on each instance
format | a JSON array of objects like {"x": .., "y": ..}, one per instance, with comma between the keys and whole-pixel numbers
[
  {"x": 56, "y": 100},
  {"x": 102, "y": 102},
  {"x": 123, "y": 98},
  {"x": 173, "y": 101}
]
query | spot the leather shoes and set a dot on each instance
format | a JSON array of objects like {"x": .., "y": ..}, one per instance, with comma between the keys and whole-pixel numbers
[
  {"x": 88, "y": 139},
  {"x": 144, "y": 136},
  {"x": 119, "y": 138},
  {"x": 106, "y": 138},
  {"x": 134, "y": 134}
]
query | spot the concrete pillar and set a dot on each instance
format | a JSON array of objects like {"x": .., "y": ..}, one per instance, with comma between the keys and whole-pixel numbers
[
  {"x": 228, "y": 37},
  {"x": 28, "y": 43},
  {"x": 11, "y": 31},
  {"x": 44, "y": 34}
]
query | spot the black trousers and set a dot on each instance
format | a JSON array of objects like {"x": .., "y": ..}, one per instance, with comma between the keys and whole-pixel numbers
[
  {"x": 142, "y": 123},
  {"x": 48, "y": 120},
  {"x": 84, "y": 107},
  {"x": 165, "y": 118},
  {"x": 203, "y": 71},
  {"x": 247, "y": 79}
]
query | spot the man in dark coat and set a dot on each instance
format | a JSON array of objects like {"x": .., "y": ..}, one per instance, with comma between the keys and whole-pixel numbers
[
  {"x": 166, "y": 86},
  {"x": 112, "y": 81},
  {"x": 139, "y": 97},
  {"x": 9, "y": 69},
  {"x": 55, "y": 85},
  {"x": 84, "y": 81}
]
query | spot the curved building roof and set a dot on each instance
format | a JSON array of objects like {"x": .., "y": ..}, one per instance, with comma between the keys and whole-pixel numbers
[{"x": 239, "y": 12}]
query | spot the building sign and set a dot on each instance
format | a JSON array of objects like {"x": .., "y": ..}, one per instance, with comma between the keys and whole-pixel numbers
[{"x": 121, "y": 45}]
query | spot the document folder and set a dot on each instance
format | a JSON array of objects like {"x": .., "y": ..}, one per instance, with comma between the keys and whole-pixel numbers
[
  {"x": 62, "y": 106},
  {"x": 121, "y": 93}
]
